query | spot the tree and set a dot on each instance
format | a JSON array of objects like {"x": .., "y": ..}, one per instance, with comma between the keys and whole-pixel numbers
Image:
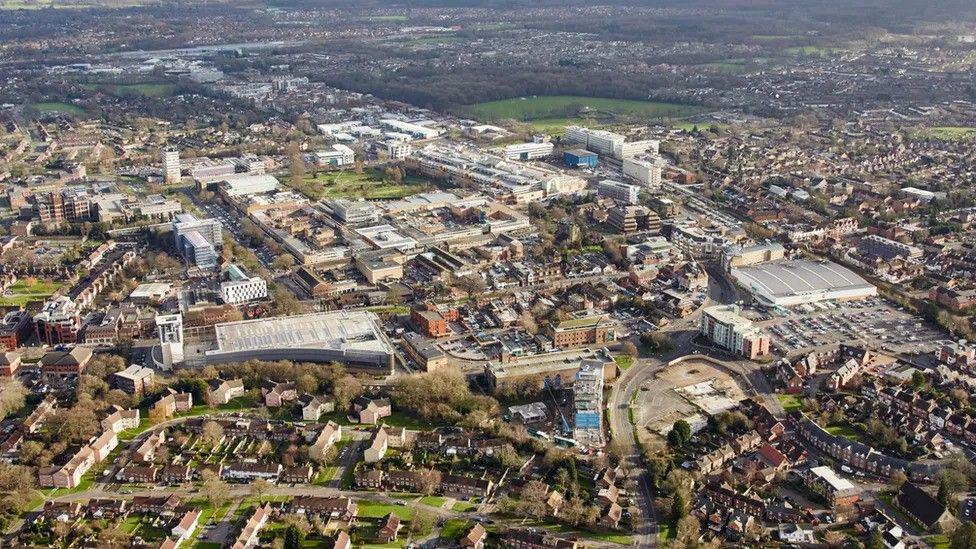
[
  {"x": 679, "y": 506},
  {"x": 12, "y": 397},
  {"x": 918, "y": 379},
  {"x": 294, "y": 538},
  {"x": 213, "y": 489},
  {"x": 283, "y": 262},
  {"x": 629, "y": 349},
  {"x": 422, "y": 522},
  {"x": 471, "y": 285},
  {"x": 964, "y": 537},
  {"x": 212, "y": 433},
  {"x": 345, "y": 390},
  {"x": 259, "y": 488},
  {"x": 875, "y": 541},
  {"x": 898, "y": 478},
  {"x": 680, "y": 433}
]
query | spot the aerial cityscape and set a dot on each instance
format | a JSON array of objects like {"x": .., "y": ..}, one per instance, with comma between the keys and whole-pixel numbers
[{"x": 487, "y": 274}]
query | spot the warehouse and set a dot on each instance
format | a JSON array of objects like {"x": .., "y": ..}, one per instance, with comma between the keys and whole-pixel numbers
[
  {"x": 789, "y": 283},
  {"x": 579, "y": 158},
  {"x": 353, "y": 338}
]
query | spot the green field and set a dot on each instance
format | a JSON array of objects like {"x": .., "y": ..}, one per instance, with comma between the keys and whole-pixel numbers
[
  {"x": 146, "y": 90},
  {"x": 66, "y": 108},
  {"x": 455, "y": 528},
  {"x": 623, "y": 361},
  {"x": 791, "y": 403},
  {"x": 844, "y": 430},
  {"x": 567, "y": 108},
  {"x": 387, "y": 18},
  {"x": 369, "y": 185},
  {"x": 464, "y": 506},
  {"x": 946, "y": 133},
  {"x": 372, "y": 509},
  {"x": 813, "y": 50},
  {"x": 22, "y": 292},
  {"x": 433, "y": 501}
]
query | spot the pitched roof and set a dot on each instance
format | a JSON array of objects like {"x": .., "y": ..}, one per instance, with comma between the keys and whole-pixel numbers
[{"x": 920, "y": 504}]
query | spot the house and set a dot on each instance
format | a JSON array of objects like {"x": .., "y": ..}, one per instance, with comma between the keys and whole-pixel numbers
[
  {"x": 395, "y": 436},
  {"x": 44, "y": 410},
  {"x": 327, "y": 438},
  {"x": 61, "y": 511},
  {"x": 106, "y": 508},
  {"x": 10, "y": 363},
  {"x": 838, "y": 491},
  {"x": 301, "y": 474},
  {"x": 378, "y": 445},
  {"x": 610, "y": 516},
  {"x": 120, "y": 419},
  {"x": 773, "y": 458},
  {"x": 143, "y": 474},
  {"x": 222, "y": 391},
  {"x": 165, "y": 506},
  {"x": 69, "y": 474},
  {"x": 170, "y": 404},
  {"x": 278, "y": 394},
  {"x": 465, "y": 487},
  {"x": 146, "y": 452},
  {"x": 314, "y": 406},
  {"x": 104, "y": 444},
  {"x": 369, "y": 478},
  {"x": 176, "y": 474},
  {"x": 370, "y": 410},
  {"x": 248, "y": 537},
  {"x": 475, "y": 538},
  {"x": 389, "y": 528},
  {"x": 186, "y": 526},
  {"x": 340, "y": 508},
  {"x": 65, "y": 363},
  {"x": 923, "y": 508}
]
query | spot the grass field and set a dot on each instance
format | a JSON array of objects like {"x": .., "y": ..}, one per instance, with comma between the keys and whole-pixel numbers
[
  {"x": 66, "y": 108},
  {"x": 387, "y": 18},
  {"x": 562, "y": 108},
  {"x": 372, "y": 509},
  {"x": 433, "y": 501},
  {"x": 844, "y": 430},
  {"x": 791, "y": 403},
  {"x": 624, "y": 361},
  {"x": 147, "y": 90},
  {"x": 812, "y": 50},
  {"x": 464, "y": 506},
  {"x": 946, "y": 133},
  {"x": 455, "y": 528},
  {"x": 369, "y": 185},
  {"x": 24, "y": 291}
]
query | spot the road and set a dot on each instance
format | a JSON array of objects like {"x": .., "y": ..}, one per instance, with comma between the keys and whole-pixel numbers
[{"x": 682, "y": 332}]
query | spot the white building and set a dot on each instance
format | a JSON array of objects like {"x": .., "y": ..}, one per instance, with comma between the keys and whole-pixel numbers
[
  {"x": 170, "y": 330},
  {"x": 415, "y": 131},
  {"x": 630, "y": 149},
  {"x": 528, "y": 151},
  {"x": 588, "y": 397},
  {"x": 240, "y": 288},
  {"x": 621, "y": 192},
  {"x": 171, "y": 166},
  {"x": 339, "y": 155},
  {"x": 397, "y": 150},
  {"x": 354, "y": 211},
  {"x": 246, "y": 184},
  {"x": 598, "y": 141},
  {"x": 647, "y": 171},
  {"x": 728, "y": 329}
]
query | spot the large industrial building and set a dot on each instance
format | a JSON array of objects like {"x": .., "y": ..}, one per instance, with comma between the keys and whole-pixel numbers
[
  {"x": 353, "y": 338},
  {"x": 789, "y": 283}
]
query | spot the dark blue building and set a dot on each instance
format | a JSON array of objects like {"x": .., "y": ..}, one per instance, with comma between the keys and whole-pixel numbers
[{"x": 579, "y": 158}]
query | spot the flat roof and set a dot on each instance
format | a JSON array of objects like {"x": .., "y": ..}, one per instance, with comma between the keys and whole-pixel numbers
[
  {"x": 797, "y": 277},
  {"x": 338, "y": 330},
  {"x": 836, "y": 482}
]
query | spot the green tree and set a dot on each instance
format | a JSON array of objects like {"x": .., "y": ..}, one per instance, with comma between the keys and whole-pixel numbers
[
  {"x": 294, "y": 538},
  {"x": 964, "y": 537}
]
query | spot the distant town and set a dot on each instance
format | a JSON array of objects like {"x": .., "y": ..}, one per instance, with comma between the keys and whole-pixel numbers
[{"x": 519, "y": 275}]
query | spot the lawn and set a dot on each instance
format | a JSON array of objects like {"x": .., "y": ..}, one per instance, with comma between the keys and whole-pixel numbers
[
  {"x": 559, "y": 106},
  {"x": 453, "y": 529},
  {"x": 845, "y": 430},
  {"x": 369, "y": 185},
  {"x": 26, "y": 290},
  {"x": 946, "y": 133},
  {"x": 791, "y": 403},
  {"x": 146, "y": 90},
  {"x": 464, "y": 506},
  {"x": 624, "y": 361},
  {"x": 372, "y": 509},
  {"x": 812, "y": 51},
  {"x": 66, "y": 108},
  {"x": 387, "y": 18},
  {"x": 433, "y": 501}
]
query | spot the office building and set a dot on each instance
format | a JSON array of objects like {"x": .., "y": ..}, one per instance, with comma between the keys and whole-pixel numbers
[
  {"x": 210, "y": 229},
  {"x": 415, "y": 131},
  {"x": 354, "y": 211},
  {"x": 647, "y": 171},
  {"x": 197, "y": 251},
  {"x": 725, "y": 327},
  {"x": 598, "y": 141},
  {"x": 621, "y": 192},
  {"x": 246, "y": 184},
  {"x": 630, "y": 149},
  {"x": 133, "y": 380},
  {"x": 588, "y": 398},
  {"x": 171, "y": 166},
  {"x": 170, "y": 331},
  {"x": 338, "y": 155},
  {"x": 15, "y": 329},
  {"x": 588, "y": 330},
  {"x": 528, "y": 151},
  {"x": 239, "y": 288},
  {"x": 72, "y": 205},
  {"x": 58, "y": 321},
  {"x": 631, "y": 219},
  {"x": 580, "y": 158},
  {"x": 397, "y": 150}
]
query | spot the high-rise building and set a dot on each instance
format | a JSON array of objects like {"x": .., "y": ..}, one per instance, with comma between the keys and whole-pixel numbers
[
  {"x": 647, "y": 171},
  {"x": 588, "y": 398},
  {"x": 631, "y": 219},
  {"x": 598, "y": 141},
  {"x": 210, "y": 229},
  {"x": 171, "y": 166},
  {"x": 621, "y": 192},
  {"x": 170, "y": 330}
]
